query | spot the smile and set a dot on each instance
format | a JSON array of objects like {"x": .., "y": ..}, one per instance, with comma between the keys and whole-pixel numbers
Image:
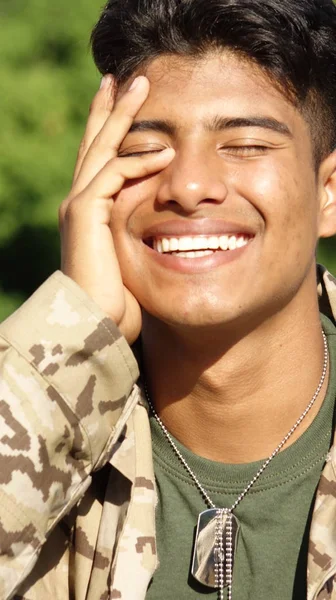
[{"x": 199, "y": 246}]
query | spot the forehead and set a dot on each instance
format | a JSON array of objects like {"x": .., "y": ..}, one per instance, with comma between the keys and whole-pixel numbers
[{"x": 186, "y": 90}]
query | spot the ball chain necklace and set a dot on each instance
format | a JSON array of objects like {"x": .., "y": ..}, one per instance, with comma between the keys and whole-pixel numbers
[{"x": 217, "y": 528}]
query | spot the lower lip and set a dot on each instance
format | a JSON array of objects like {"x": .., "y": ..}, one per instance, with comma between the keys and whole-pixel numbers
[{"x": 197, "y": 265}]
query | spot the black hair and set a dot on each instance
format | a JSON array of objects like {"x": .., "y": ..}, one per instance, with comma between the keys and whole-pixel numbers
[{"x": 293, "y": 41}]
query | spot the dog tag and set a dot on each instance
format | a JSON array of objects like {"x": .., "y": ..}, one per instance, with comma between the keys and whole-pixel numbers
[{"x": 211, "y": 546}]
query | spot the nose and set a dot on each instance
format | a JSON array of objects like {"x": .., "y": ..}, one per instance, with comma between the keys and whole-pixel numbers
[{"x": 192, "y": 178}]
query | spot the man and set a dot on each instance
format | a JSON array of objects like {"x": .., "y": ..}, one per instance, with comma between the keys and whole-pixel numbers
[{"x": 206, "y": 176}]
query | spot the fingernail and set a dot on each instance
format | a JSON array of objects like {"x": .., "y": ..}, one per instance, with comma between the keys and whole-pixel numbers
[
  {"x": 105, "y": 82},
  {"x": 134, "y": 84}
]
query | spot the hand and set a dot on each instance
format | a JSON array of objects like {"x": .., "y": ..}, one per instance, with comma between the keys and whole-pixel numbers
[{"x": 88, "y": 253}]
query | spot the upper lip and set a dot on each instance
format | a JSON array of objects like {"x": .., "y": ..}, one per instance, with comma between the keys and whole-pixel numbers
[{"x": 196, "y": 227}]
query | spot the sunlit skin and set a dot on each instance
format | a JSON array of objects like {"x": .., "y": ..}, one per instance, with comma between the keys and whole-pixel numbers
[
  {"x": 232, "y": 342},
  {"x": 233, "y": 347}
]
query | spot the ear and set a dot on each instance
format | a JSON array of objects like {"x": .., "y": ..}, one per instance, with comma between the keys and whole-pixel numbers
[{"x": 327, "y": 177}]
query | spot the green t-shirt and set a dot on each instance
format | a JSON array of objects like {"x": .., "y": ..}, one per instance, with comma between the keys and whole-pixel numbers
[{"x": 275, "y": 515}]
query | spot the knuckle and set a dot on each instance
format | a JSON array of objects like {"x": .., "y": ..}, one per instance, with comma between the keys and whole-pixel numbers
[
  {"x": 61, "y": 214},
  {"x": 63, "y": 209},
  {"x": 71, "y": 209},
  {"x": 92, "y": 106}
]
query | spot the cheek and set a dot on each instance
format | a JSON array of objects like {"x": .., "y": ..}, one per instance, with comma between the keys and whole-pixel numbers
[
  {"x": 297, "y": 215},
  {"x": 284, "y": 195}
]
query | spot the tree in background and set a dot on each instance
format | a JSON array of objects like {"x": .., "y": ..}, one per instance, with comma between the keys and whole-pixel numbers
[{"x": 47, "y": 82}]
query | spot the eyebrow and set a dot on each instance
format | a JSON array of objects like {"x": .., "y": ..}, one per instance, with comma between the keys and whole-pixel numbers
[
  {"x": 222, "y": 123},
  {"x": 154, "y": 125},
  {"x": 216, "y": 124}
]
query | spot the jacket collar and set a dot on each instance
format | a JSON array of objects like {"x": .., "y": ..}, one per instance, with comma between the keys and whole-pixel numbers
[
  {"x": 322, "y": 546},
  {"x": 326, "y": 289}
]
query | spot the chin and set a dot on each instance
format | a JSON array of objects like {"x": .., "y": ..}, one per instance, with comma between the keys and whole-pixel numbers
[{"x": 195, "y": 315}]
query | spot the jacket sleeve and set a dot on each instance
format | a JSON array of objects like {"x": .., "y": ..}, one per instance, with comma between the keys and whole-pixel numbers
[{"x": 66, "y": 376}]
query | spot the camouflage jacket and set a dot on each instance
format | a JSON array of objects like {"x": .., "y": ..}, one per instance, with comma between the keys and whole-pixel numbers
[{"x": 77, "y": 503}]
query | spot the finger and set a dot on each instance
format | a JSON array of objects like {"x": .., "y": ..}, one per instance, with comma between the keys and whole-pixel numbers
[
  {"x": 106, "y": 144},
  {"x": 100, "y": 110},
  {"x": 111, "y": 179}
]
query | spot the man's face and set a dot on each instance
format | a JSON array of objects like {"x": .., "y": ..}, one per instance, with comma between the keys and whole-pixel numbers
[{"x": 226, "y": 234}]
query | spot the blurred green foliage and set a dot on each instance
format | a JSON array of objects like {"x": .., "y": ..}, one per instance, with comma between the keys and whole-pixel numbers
[{"x": 47, "y": 82}]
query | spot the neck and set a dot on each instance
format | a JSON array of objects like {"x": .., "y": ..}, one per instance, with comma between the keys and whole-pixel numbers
[{"x": 242, "y": 392}]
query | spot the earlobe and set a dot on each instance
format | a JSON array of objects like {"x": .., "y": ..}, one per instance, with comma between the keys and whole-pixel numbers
[{"x": 327, "y": 222}]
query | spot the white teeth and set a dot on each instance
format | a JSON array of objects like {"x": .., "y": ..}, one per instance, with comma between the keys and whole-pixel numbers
[
  {"x": 224, "y": 242},
  {"x": 241, "y": 242},
  {"x": 165, "y": 245},
  {"x": 200, "y": 243},
  {"x": 187, "y": 254},
  {"x": 232, "y": 243},
  {"x": 195, "y": 245},
  {"x": 196, "y": 254},
  {"x": 202, "y": 253},
  {"x": 174, "y": 244},
  {"x": 214, "y": 243},
  {"x": 185, "y": 244}
]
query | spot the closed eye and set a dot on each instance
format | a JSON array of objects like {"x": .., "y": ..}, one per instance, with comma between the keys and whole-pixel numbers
[
  {"x": 139, "y": 153},
  {"x": 140, "y": 150},
  {"x": 247, "y": 151}
]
